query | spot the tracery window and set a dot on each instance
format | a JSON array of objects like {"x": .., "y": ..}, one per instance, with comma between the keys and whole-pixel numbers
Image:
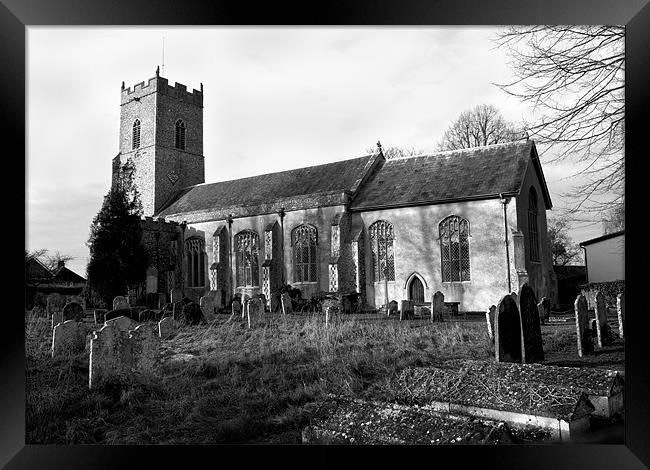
[
  {"x": 533, "y": 238},
  {"x": 304, "y": 240},
  {"x": 195, "y": 255},
  {"x": 136, "y": 134},
  {"x": 247, "y": 244},
  {"x": 454, "y": 248},
  {"x": 180, "y": 134},
  {"x": 381, "y": 245}
]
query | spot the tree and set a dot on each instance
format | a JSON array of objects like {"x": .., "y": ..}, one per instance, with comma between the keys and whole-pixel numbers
[
  {"x": 574, "y": 75},
  {"x": 118, "y": 259},
  {"x": 483, "y": 125},
  {"x": 614, "y": 219},
  {"x": 395, "y": 152},
  {"x": 562, "y": 249}
]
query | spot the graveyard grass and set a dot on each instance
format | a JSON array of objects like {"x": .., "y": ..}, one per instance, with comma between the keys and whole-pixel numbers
[{"x": 225, "y": 383}]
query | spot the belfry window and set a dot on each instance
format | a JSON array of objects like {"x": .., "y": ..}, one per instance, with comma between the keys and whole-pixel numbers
[
  {"x": 180, "y": 134},
  {"x": 247, "y": 245},
  {"x": 195, "y": 255},
  {"x": 304, "y": 240},
  {"x": 136, "y": 135},
  {"x": 381, "y": 245},
  {"x": 454, "y": 249},
  {"x": 533, "y": 238}
]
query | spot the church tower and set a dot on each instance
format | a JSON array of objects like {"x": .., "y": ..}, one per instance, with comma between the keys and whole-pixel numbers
[{"x": 161, "y": 135}]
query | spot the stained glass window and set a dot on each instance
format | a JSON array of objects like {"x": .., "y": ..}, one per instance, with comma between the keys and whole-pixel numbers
[
  {"x": 533, "y": 238},
  {"x": 247, "y": 245},
  {"x": 381, "y": 245},
  {"x": 454, "y": 249},
  {"x": 304, "y": 239},
  {"x": 195, "y": 254}
]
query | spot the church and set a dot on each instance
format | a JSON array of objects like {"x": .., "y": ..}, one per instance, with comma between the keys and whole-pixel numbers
[{"x": 469, "y": 223}]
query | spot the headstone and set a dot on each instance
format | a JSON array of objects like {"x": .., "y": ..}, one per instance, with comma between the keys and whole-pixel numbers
[
  {"x": 392, "y": 307},
  {"x": 208, "y": 307},
  {"x": 167, "y": 327},
  {"x": 145, "y": 349},
  {"x": 254, "y": 309},
  {"x": 162, "y": 300},
  {"x": 544, "y": 309},
  {"x": 620, "y": 311},
  {"x": 330, "y": 312},
  {"x": 236, "y": 306},
  {"x": 176, "y": 295},
  {"x": 100, "y": 315},
  {"x": 489, "y": 318},
  {"x": 122, "y": 312},
  {"x": 148, "y": 315},
  {"x": 78, "y": 299},
  {"x": 192, "y": 314},
  {"x": 507, "y": 331},
  {"x": 285, "y": 299},
  {"x": 110, "y": 355},
  {"x": 437, "y": 306},
  {"x": 515, "y": 297},
  {"x": 68, "y": 337},
  {"x": 262, "y": 297},
  {"x": 123, "y": 324},
  {"x": 54, "y": 303},
  {"x": 421, "y": 311},
  {"x": 406, "y": 310},
  {"x": 583, "y": 332},
  {"x": 602, "y": 329},
  {"x": 531, "y": 332},
  {"x": 57, "y": 317},
  {"x": 73, "y": 311},
  {"x": 120, "y": 302}
]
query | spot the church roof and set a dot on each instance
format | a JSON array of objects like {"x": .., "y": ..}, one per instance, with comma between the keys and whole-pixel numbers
[
  {"x": 314, "y": 186},
  {"x": 474, "y": 173}
]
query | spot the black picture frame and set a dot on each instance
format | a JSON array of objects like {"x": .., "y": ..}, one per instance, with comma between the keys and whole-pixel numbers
[{"x": 16, "y": 15}]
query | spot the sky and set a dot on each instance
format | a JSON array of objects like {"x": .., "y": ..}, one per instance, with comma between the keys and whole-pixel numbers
[{"x": 275, "y": 98}]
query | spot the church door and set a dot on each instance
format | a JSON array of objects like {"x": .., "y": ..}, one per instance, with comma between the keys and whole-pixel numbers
[{"x": 416, "y": 290}]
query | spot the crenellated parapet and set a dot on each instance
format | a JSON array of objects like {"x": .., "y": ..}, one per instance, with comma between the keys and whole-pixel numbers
[
  {"x": 161, "y": 85},
  {"x": 159, "y": 225}
]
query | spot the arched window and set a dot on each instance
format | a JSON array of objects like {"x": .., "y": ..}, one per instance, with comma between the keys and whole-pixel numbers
[
  {"x": 454, "y": 249},
  {"x": 381, "y": 245},
  {"x": 195, "y": 255},
  {"x": 136, "y": 134},
  {"x": 304, "y": 239},
  {"x": 180, "y": 134},
  {"x": 247, "y": 245},
  {"x": 533, "y": 238}
]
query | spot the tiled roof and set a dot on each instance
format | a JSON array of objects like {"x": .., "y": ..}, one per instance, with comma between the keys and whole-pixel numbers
[
  {"x": 448, "y": 176},
  {"x": 64, "y": 274},
  {"x": 301, "y": 188}
]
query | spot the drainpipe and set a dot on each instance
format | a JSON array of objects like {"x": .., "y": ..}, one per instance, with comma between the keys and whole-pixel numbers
[
  {"x": 281, "y": 213},
  {"x": 182, "y": 248},
  {"x": 232, "y": 282},
  {"x": 584, "y": 249},
  {"x": 505, "y": 202}
]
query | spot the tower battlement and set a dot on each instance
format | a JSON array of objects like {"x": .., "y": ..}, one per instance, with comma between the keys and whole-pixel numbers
[{"x": 161, "y": 85}]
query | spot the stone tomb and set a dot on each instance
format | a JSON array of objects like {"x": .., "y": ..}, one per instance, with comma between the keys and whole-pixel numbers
[
  {"x": 167, "y": 327},
  {"x": 254, "y": 310},
  {"x": 489, "y": 319},
  {"x": 507, "y": 331},
  {"x": 603, "y": 333},
  {"x": 285, "y": 299},
  {"x": 437, "y": 306},
  {"x": 620, "y": 312},
  {"x": 120, "y": 302},
  {"x": 68, "y": 337},
  {"x": 531, "y": 332},
  {"x": 119, "y": 352},
  {"x": 583, "y": 332}
]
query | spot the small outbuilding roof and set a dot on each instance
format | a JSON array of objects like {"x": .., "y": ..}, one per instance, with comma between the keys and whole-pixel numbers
[{"x": 602, "y": 238}]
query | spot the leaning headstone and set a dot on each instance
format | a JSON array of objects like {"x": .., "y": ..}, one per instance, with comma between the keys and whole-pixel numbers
[
  {"x": 120, "y": 302},
  {"x": 602, "y": 329},
  {"x": 73, "y": 311},
  {"x": 544, "y": 309},
  {"x": 110, "y": 355},
  {"x": 620, "y": 311},
  {"x": 531, "y": 332},
  {"x": 583, "y": 332},
  {"x": 167, "y": 327},
  {"x": 489, "y": 318},
  {"x": 208, "y": 307},
  {"x": 286, "y": 303},
  {"x": 68, "y": 337},
  {"x": 145, "y": 350},
  {"x": 437, "y": 306},
  {"x": 254, "y": 310},
  {"x": 507, "y": 331}
]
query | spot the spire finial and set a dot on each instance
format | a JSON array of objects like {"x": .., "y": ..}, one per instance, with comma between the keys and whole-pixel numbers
[
  {"x": 122, "y": 84},
  {"x": 379, "y": 146},
  {"x": 157, "y": 70},
  {"x": 201, "y": 87}
]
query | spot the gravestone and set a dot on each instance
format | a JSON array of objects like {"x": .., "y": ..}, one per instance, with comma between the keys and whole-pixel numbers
[
  {"x": 437, "y": 306},
  {"x": 285, "y": 299},
  {"x": 406, "y": 310},
  {"x": 110, "y": 354},
  {"x": 531, "y": 332},
  {"x": 254, "y": 310},
  {"x": 177, "y": 310},
  {"x": 392, "y": 307},
  {"x": 620, "y": 312},
  {"x": 162, "y": 300},
  {"x": 68, "y": 337},
  {"x": 54, "y": 304},
  {"x": 122, "y": 312},
  {"x": 262, "y": 297},
  {"x": 145, "y": 350},
  {"x": 57, "y": 317},
  {"x": 583, "y": 332},
  {"x": 192, "y": 314},
  {"x": 515, "y": 297},
  {"x": 120, "y": 302},
  {"x": 73, "y": 311},
  {"x": 544, "y": 309},
  {"x": 330, "y": 314},
  {"x": 236, "y": 306},
  {"x": 176, "y": 295},
  {"x": 208, "y": 307},
  {"x": 421, "y": 311},
  {"x": 123, "y": 324},
  {"x": 148, "y": 315},
  {"x": 78, "y": 299},
  {"x": 167, "y": 327},
  {"x": 507, "y": 331},
  {"x": 489, "y": 318},
  {"x": 602, "y": 328}
]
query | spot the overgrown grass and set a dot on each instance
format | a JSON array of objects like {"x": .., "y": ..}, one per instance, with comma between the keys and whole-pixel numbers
[{"x": 226, "y": 383}]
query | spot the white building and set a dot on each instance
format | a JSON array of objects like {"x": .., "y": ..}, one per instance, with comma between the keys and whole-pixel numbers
[{"x": 605, "y": 257}]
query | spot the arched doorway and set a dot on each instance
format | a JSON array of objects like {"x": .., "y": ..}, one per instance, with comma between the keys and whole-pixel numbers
[{"x": 416, "y": 290}]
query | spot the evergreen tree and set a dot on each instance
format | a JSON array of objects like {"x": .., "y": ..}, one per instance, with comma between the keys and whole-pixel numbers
[{"x": 118, "y": 260}]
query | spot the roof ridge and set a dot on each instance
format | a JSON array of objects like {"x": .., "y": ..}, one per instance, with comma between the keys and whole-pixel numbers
[{"x": 463, "y": 150}]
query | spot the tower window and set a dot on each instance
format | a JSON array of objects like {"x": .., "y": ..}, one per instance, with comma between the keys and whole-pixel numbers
[
  {"x": 136, "y": 134},
  {"x": 180, "y": 134}
]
